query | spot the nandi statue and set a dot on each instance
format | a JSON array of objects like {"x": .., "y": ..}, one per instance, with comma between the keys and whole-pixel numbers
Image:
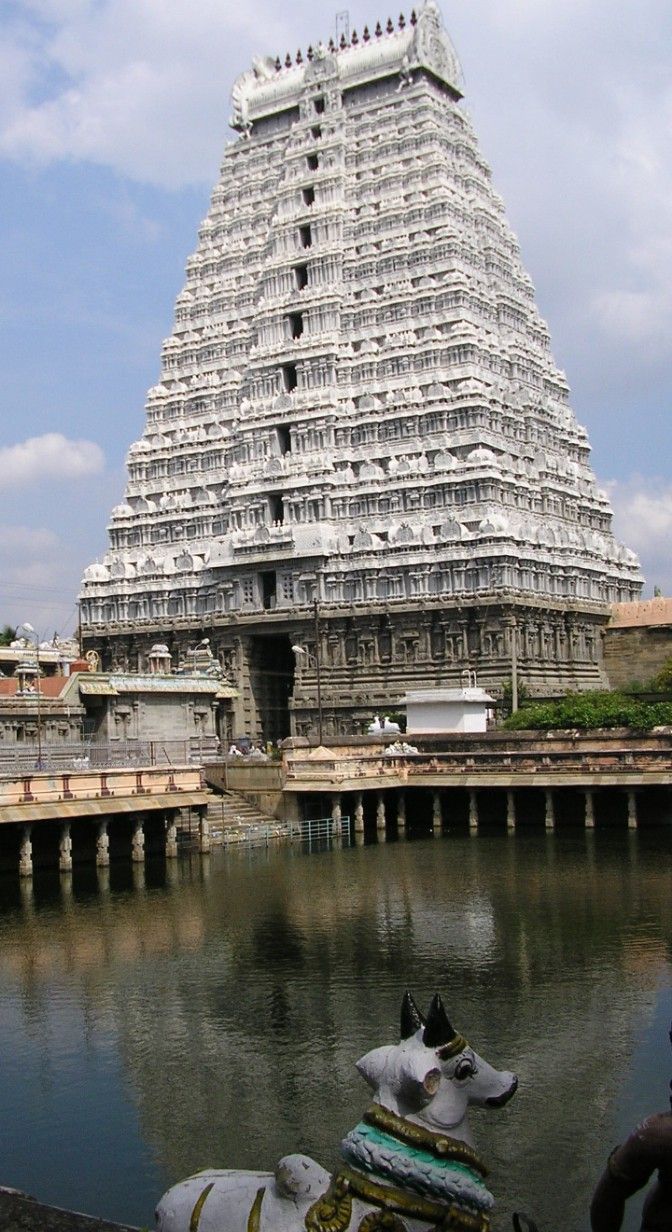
[{"x": 409, "y": 1164}]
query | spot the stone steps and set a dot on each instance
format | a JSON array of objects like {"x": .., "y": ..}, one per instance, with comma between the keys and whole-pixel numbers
[{"x": 233, "y": 818}]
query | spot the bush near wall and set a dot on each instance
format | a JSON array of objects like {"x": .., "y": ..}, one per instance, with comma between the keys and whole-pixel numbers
[{"x": 586, "y": 711}]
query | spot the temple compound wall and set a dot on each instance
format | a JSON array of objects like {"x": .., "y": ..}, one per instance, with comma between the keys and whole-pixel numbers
[
  {"x": 638, "y": 641},
  {"x": 360, "y": 462}
]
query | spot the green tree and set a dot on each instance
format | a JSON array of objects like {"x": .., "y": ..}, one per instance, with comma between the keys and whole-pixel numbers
[
  {"x": 588, "y": 711},
  {"x": 7, "y": 635},
  {"x": 662, "y": 683}
]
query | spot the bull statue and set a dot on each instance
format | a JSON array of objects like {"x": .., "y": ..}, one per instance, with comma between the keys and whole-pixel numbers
[{"x": 409, "y": 1165}]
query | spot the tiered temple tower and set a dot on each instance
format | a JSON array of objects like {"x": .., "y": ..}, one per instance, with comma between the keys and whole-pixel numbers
[{"x": 360, "y": 444}]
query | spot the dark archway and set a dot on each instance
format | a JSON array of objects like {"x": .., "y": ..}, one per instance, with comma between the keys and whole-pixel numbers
[{"x": 271, "y": 682}]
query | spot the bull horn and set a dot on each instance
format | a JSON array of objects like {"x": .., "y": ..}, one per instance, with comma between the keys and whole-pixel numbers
[
  {"x": 438, "y": 1029},
  {"x": 411, "y": 1018}
]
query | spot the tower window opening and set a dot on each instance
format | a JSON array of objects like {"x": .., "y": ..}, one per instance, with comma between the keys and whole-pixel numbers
[
  {"x": 284, "y": 439},
  {"x": 305, "y": 237},
  {"x": 276, "y": 507},
  {"x": 316, "y": 132},
  {"x": 312, "y": 161},
  {"x": 318, "y": 104},
  {"x": 290, "y": 378},
  {"x": 308, "y": 195},
  {"x": 295, "y": 324},
  {"x": 269, "y": 589},
  {"x": 301, "y": 276}
]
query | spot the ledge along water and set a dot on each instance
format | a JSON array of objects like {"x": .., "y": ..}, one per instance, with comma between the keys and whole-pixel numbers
[
  {"x": 20, "y": 1213},
  {"x": 57, "y": 818}
]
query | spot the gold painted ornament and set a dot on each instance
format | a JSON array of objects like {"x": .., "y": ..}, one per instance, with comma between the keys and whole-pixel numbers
[{"x": 333, "y": 1211}]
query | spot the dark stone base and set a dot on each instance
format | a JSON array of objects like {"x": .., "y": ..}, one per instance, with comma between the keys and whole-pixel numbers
[{"x": 20, "y": 1213}]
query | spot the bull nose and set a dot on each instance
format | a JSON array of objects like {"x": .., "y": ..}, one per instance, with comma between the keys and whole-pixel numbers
[{"x": 498, "y": 1101}]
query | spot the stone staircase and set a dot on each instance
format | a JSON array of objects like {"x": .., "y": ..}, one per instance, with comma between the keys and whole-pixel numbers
[{"x": 233, "y": 819}]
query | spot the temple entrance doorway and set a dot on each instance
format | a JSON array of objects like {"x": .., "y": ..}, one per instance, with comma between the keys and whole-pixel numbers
[{"x": 271, "y": 683}]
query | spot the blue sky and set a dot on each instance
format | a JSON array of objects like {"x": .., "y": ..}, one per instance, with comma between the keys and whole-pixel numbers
[{"x": 113, "y": 118}]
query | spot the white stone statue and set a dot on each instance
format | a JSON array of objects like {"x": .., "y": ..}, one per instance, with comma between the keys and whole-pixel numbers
[{"x": 409, "y": 1163}]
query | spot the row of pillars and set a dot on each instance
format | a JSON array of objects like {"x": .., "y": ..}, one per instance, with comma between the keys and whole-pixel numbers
[
  {"x": 102, "y": 858},
  {"x": 437, "y": 811}
]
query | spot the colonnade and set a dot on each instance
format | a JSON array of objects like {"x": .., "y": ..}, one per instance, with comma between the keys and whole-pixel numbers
[
  {"x": 172, "y": 821},
  {"x": 391, "y": 809}
]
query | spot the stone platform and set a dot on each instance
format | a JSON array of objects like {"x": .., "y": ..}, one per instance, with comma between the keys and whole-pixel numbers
[{"x": 21, "y": 1213}]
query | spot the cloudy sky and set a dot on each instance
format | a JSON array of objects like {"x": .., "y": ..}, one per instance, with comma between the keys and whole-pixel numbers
[{"x": 113, "y": 118}]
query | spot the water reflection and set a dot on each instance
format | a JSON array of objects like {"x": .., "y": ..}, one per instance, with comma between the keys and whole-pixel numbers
[{"x": 211, "y": 1011}]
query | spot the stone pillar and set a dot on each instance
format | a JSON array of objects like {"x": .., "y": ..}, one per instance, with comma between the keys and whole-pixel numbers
[
  {"x": 171, "y": 837},
  {"x": 510, "y": 812},
  {"x": 589, "y": 810},
  {"x": 103, "y": 879},
  {"x": 632, "y": 810},
  {"x": 27, "y": 895},
  {"x": 473, "y": 811},
  {"x": 549, "y": 819},
  {"x": 401, "y": 812},
  {"x": 437, "y": 817},
  {"x": 359, "y": 814},
  {"x": 65, "y": 850},
  {"x": 336, "y": 813},
  {"x": 204, "y": 840},
  {"x": 292, "y": 812},
  {"x": 26, "y": 853},
  {"x": 102, "y": 846},
  {"x": 138, "y": 844},
  {"x": 380, "y": 812}
]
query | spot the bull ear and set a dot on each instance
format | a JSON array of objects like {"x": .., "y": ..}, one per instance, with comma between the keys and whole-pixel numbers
[
  {"x": 438, "y": 1029},
  {"x": 411, "y": 1018},
  {"x": 373, "y": 1065}
]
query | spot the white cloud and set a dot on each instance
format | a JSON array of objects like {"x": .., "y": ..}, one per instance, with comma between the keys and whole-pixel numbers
[
  {"x": 21, "y": 542},
  {"x": 48, "y": 458},
  {"x": 36, "y": 581},
  {"x": 637, "y": 306},
  {"x": 135, "y": 85},
  {"x": 643, "y": 519}
]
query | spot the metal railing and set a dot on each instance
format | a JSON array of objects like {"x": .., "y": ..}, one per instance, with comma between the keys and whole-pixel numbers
[
  {"x": 88, "y": 755},
  {"x": 310, "y": 831}
]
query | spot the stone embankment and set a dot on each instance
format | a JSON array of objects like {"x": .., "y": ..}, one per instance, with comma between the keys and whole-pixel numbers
[{"x": 20, "y": 1213}]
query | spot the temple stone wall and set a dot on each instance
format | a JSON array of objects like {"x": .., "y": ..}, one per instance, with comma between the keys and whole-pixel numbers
[
  {"x": 368, "y": 660},
  {"x": 638, "y": 641}
]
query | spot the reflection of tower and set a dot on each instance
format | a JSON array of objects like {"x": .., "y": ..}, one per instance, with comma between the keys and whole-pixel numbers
[{"x": 358, "y": 404}]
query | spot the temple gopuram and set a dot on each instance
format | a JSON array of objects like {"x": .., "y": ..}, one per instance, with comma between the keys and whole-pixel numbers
[{"x": 360, "y": 471}]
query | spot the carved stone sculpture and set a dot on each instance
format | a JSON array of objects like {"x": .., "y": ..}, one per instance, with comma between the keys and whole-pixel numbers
[{"x": 409, "y": 1163}]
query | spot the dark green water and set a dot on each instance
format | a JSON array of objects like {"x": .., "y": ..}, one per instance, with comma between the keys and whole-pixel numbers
[{"x": 212, "y": 1015}]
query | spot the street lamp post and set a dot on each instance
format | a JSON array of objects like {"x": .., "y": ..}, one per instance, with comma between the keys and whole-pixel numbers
[
  {"x": 22, "y": 631},
  {"x": 317, "y": 671},
  {"x": 301, "y": 652},
  {"x": 514, "y": 667}
]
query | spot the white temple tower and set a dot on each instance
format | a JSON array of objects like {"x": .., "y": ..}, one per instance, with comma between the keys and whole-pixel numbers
[{"x": 359, "y": 443}]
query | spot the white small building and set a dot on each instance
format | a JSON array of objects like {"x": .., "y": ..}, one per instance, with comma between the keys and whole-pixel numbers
[{"x": 429, "y": 711}]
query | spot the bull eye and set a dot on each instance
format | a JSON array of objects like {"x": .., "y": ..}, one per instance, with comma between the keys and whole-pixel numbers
[{"x": 464, "y": 1068}]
